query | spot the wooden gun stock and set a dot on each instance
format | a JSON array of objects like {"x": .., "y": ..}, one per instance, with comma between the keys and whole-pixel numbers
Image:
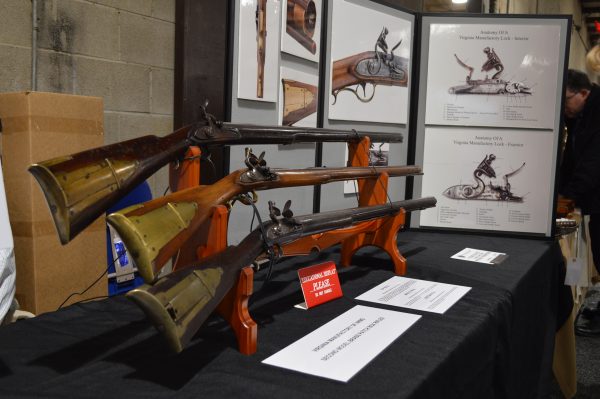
[
  {"x": 299, "y": 101},
  {"x": 154, "y": 231},
  {"x": 301, "y": 22},
  {"x": 179, "y": 303}
]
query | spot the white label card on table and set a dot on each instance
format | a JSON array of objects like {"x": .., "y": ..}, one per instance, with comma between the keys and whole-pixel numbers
[
  {"x": 480, "y": 256},
  {"x": 411, "y": 293},
  {"x": 342, "y": 347}
]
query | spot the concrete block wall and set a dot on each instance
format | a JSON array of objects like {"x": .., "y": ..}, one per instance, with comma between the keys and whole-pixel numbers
[
  {"x": 577, "y": 50},
  {"x": 120, "y": 50}
]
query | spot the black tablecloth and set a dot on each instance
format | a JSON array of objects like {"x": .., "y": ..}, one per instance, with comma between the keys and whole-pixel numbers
[{"x": 497, "y": 341}]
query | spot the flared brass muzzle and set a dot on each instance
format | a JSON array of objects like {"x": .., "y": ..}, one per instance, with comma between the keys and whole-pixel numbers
[
  {"x": 178, "y": 304},
  {"x": 56, "y": 199},
  {"x": 158, "y": 314}
]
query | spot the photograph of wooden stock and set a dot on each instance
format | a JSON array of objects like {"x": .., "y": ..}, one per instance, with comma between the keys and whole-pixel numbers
[
  {"x": 301, "y": 22},
  {"x": 261, "y": 45},
  {"x": 180, "y": 302},
  {"x": 154, "y": 232},
  {"x": 80, "y": 187},
  {"x": 299, "y": 101}
]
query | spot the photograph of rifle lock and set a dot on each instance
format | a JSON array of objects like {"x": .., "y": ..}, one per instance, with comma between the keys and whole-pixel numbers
[{"x": 377, "y": 67}]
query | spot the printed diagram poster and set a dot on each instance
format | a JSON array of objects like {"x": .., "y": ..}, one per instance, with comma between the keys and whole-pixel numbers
[
  {"x": 301, "y": 28},
  {"x": 298, "y": 98},
  {"x": 493, "y": 75},
  {"x": 258, "y": 50},
  {"x": 488, "y": 179},
  {"x": 370, "y": 59}
]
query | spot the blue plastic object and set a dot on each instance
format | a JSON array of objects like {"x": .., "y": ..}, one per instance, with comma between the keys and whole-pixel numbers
[{"x": 139, "y": 194}]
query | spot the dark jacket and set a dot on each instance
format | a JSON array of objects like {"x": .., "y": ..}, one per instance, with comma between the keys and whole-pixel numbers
[{"x": 580, "y": 169}]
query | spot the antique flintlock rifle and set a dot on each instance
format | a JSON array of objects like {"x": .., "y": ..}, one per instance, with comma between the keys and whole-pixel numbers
[
  {"x": 261, "y": 45},
  {"x": 378, "y": 67},
  {"x": 81, "y": 187},
  {"x": 180, "y": 302},
  {"x": 299, "y": 101},
  {"x": 155, "y": 231},
  {"x": 301, "y": 22}
]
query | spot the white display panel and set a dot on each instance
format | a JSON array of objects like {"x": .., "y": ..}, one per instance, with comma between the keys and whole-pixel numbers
[
  {"x": 512, "y": 191},
  {"x": 247, "y": 56},
  {"x": 513, "y": 80},
  {"x": 289, "y": 44},
  {"x": 355, "y": 29}
]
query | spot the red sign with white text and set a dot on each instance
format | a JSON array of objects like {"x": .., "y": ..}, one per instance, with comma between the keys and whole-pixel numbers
[{"x": 320, "y": 283}]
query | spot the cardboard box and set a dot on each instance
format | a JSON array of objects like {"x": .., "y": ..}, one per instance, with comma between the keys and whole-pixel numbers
[{"x": 35, "y": 127}]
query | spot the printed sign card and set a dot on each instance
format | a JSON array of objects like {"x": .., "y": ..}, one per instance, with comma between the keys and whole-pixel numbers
[
  {"x": 480, "y": 256},
  {"x": 341, "y": 348},
  {"x": 410, "y": 293},
  {"x": 320, "y": 284}
]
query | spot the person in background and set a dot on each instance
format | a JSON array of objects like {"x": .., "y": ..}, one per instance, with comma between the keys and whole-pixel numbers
[{"x": 580, "y": 174}]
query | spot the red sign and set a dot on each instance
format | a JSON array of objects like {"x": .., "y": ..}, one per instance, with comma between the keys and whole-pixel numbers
[{"x": 320, "y": 283}]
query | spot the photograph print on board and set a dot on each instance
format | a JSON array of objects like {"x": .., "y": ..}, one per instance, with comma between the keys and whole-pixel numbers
[
  {"x": 298, "y": 98},
  {"x": 302, "y": 34},
  {"x": 258, "y": 50},
  {"x": 370, "y": 61}
]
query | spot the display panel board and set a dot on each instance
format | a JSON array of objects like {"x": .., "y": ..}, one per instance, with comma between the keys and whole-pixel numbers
[
  {"x": 357, "y": 27},
  {"x": 285, "y": 68},
  {"x": 489, "y": 116}
]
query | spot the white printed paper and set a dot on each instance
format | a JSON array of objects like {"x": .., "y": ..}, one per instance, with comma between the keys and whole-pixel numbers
[
  {"x": 493, "y": 75},
  {"x": 410, "y": 293},
  {"x": 489, "y": 179},
  {"x": 480, "y": 256},
  {"x": 342, "y": 347}
]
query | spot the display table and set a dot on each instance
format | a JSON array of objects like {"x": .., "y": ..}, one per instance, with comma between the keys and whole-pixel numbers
[{"x": 497, "y": 341}]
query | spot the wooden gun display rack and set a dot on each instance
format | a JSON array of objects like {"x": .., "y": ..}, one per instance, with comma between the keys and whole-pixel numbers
[{"x": 213, "y": 238}]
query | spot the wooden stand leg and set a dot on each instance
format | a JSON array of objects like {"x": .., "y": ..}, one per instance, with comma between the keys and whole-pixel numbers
[
  {"x": 216, "y": 239},
  {"x": 384, "y": 238},
  {"x": 374, "y": 192},
  {"x": 234, "y": 309},
  {"x": 381, "y": 233},
  {"x": 187, "y": 173}
]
